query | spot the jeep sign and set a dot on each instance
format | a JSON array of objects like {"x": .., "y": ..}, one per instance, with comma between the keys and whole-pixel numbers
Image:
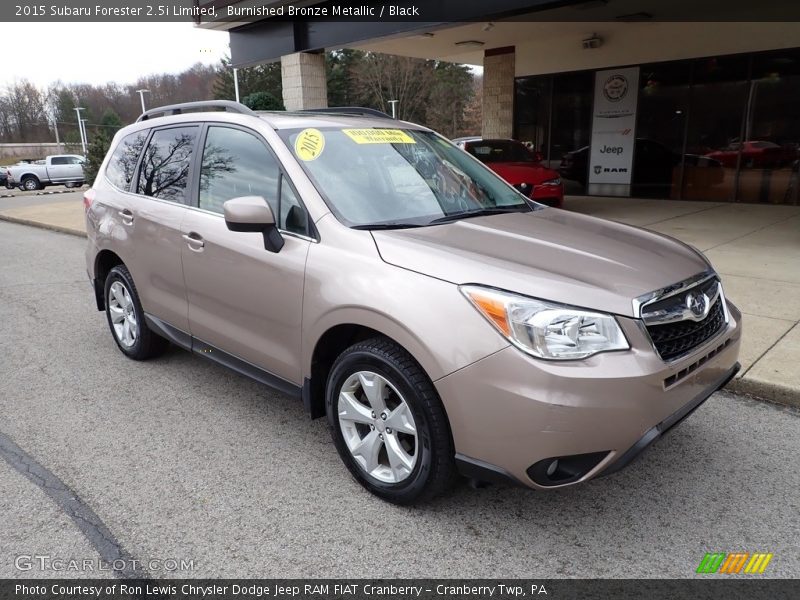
[{"x": 613, "y": 135}]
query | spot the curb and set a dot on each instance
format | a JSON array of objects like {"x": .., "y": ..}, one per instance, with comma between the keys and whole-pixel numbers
[
  {"x": 774, "y": 393},
  {"x": 30, "y": 223},
  {"x": 40, "y": 193}
]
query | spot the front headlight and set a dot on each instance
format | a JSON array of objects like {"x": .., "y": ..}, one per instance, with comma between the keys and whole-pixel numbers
[
  {"x": 545, "y": 329},
  {"x": 556, "y": 181}
]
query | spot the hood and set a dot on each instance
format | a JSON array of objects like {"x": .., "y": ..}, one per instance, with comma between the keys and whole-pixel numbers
[
  {"x": 522, "y": 172},
  {"x": 549, "y": 254}
]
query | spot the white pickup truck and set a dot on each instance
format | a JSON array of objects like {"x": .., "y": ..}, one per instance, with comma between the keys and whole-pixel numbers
[{"x": 59, "y": 169}]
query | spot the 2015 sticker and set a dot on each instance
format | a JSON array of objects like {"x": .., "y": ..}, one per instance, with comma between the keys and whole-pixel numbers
[
  {"x": 309, "y": 144},
  {"x": 379, "y": 136}
]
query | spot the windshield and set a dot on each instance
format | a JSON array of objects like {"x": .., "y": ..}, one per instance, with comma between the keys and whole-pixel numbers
[
  {"x": 494, "y": 151},
  {"x": 398, "y": 177}
]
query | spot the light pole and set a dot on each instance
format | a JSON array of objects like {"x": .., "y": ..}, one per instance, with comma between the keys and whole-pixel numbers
[
  {"x": 394, "y": 107},
  {"x": 78, "y": 110},
  {"x": 236, "y": 82},
  {"x": 85, "y": 136},
  {"x": 58, "y": 141},
  {"x": 141, "y": 97}
]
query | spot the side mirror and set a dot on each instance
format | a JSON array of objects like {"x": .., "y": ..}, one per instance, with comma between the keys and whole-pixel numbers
[{"x": 253, "y": 214}]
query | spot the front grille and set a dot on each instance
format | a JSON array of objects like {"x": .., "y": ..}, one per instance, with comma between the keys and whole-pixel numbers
[{"x": 675, "y": 339}]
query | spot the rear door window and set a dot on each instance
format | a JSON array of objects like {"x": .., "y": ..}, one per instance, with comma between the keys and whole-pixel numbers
[
  {"x": 164, "y": 173},
  {"x": 122, "y": 164}
]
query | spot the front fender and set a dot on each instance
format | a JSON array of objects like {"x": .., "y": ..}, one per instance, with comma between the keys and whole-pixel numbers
[{"x": 429, "y": 317}]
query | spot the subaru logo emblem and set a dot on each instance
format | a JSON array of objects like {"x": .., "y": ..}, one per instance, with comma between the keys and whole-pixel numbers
[{"x": 697, "y": 304}]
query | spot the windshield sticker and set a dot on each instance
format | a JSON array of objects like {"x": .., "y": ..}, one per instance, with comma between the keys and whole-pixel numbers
[
  {"x": 379, "y": 136},
  {"x": 309, "y": 144}
]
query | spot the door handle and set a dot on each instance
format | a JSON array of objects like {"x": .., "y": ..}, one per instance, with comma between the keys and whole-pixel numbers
[
  {"x": 127, "y": 216},
  {"x": 194, "y": 240}
]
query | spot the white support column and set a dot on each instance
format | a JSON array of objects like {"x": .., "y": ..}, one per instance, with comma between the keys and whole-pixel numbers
[
  {"x": 304, "y": 82},
  {"x": 498, "y": 92}
]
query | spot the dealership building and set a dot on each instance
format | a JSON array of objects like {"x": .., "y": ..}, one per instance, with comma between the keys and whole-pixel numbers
[{"x": 683, "y": 100}]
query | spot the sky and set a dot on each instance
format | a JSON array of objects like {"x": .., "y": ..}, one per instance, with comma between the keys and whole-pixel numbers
[{"x": 99, "y": 53}]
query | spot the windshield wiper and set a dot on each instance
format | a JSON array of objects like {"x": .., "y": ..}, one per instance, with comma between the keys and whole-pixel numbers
[
  {"x": 376, "y": 226},
  {"x": 483, "y": 212}
]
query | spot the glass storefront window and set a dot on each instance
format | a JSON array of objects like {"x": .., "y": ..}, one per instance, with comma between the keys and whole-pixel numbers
[
  {"x": 532, "y": 114},
  {"x": 717, "y": 128},
  {"x": 769, "y": 153},
  {"x": 718, "y": 99},
  {"x": 571, "y": 130},
  {"x": 660, "y": 130}
]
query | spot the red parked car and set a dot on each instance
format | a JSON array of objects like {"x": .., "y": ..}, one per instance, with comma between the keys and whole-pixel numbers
[
  {"x": 520, "y": 167},
  {"x": 755, "y": 154}
]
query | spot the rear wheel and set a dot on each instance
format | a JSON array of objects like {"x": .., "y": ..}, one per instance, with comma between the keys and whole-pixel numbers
[
  {"x": 388, "y": 423},
  {"x": 31, "y": 183},
  {"x": 126, "y": 317}
]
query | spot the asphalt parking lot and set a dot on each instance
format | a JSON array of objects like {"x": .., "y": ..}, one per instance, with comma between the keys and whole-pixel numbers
[{"x": 181, "y": 459}]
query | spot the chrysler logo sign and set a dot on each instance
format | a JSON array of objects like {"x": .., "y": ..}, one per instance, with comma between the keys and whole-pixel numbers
[{"x": 615, "y": 88}]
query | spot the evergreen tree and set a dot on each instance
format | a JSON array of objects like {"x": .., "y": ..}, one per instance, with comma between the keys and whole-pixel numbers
[
  {"x": 96, "y": 153},
  {"x": 260, "y": 78},
  {"x": 110, "y": 123},
  {"x": 262, "y": 101},
  {"x": 341, "y": 67}
]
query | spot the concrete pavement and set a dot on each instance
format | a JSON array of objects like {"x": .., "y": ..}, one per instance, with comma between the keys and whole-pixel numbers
[
  {"x": 756, "y": 249},
  {"x": 61, "y": 211},
  {"x": 182, "y": 459}
]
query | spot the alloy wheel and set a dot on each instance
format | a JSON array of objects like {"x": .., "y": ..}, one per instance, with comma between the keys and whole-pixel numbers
[
  {"x": 123, "y": 314},
  {"x": 378, "y": 427}
]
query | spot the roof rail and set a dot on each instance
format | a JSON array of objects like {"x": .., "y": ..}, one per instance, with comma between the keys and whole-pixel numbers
[
  {"x": 349, "y": 110},
  {"x": 176, "y": 109}
]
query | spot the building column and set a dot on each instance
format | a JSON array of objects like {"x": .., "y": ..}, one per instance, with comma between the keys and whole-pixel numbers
[
  {"x": 498, "y": 92},
  {"x": 304, "y": 82}
]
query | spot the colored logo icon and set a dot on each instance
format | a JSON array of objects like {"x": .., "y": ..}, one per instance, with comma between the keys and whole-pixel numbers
[{"x": 734, "y": 563}]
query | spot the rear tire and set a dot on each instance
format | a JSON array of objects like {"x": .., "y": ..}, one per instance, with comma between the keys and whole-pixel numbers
[
  {"x": 388, "y": 423},
  {"x": 126, "y": 317},
  {"x": 30, "y": 184}
]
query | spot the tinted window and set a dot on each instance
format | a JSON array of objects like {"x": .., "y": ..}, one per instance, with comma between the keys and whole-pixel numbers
[
  {"x": 165, "y": 166},
  {"x": 58, "y": 160},
  {"x": 123, "y": 162},
  {"x": 236, "y": 163}
]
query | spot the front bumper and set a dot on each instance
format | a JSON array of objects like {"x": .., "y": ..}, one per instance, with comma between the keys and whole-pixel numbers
[{"x": 512, "y": 414}]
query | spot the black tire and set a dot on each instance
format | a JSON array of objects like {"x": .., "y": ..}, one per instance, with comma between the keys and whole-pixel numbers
[
  {"x": 434, "y": 471},
  {"x": 147, "y": 343},
  {"x": 30, "y": 183}
]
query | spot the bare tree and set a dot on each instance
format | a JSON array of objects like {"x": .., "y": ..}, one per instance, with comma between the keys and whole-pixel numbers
[{"x": 384, "y": 77}]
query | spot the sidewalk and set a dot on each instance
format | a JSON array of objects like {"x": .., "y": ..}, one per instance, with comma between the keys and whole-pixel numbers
[
  {"x": 62, "y": 212},
  {"x": 755, "y": 248}
]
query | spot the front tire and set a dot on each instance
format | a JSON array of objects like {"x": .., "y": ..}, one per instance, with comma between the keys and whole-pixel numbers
[
  {"x": 388, "y": 423},
  {"x": 126, "y": 317}
]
